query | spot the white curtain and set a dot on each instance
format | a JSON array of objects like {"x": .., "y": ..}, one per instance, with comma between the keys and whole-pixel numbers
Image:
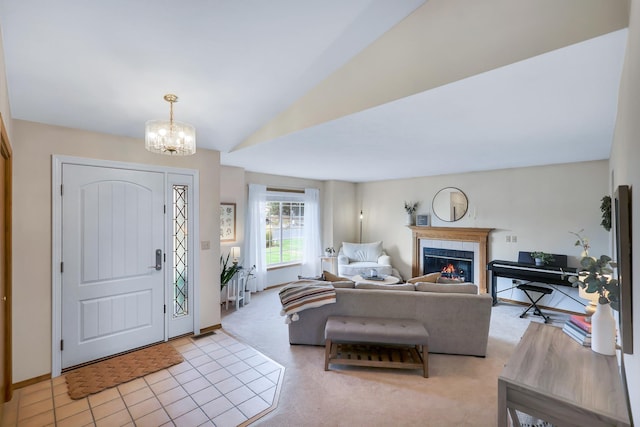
[
  {"x": 312, "y": 243},
  {"x": 256, "y": 239}
]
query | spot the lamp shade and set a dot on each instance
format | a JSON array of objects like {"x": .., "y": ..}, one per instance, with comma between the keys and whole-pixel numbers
[
  {"x": 235, "y": 253},
  {"x": 170, "y": 136},
  {"x": 174, "y": 138}
]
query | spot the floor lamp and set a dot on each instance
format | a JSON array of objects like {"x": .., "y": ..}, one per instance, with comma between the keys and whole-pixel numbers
[{"x": 360, "y": 225}]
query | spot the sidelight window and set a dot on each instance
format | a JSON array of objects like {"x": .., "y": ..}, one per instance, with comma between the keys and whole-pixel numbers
[{"x": 180, "y": 251}]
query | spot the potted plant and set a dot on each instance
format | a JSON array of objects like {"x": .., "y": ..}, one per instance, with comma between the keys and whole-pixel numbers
[
  {"x": 410, "y": 208},
  {"x": 330, "y": 251},
  {"x": 542, "y": 258},
  {"x": 596, "y": 276},
  {"x": 227, "y": 270}
]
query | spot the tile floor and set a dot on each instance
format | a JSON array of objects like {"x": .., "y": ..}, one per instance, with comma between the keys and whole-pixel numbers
[{"x": 222, "y": 382}]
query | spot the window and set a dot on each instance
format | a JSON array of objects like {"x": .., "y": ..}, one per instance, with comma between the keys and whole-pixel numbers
[
  {"x": 284, "y": 232},
  {"x": 180, "y": 251}
]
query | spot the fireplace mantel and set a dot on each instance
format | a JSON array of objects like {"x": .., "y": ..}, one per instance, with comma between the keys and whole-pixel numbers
[{"x": 463, "y": 234}]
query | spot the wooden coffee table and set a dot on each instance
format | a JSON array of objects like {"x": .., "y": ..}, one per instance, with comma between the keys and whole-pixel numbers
[{"x": 388, "y": 280}]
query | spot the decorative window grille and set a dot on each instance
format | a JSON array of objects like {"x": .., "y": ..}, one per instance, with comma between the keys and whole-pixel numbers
[{"x": 180, "y": 251}]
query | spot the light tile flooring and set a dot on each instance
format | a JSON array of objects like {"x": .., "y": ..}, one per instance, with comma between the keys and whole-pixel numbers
[{"x": 222, "y": 382}]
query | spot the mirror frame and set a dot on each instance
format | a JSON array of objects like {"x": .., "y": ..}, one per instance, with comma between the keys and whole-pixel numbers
[{"x": 457, "y": 217}]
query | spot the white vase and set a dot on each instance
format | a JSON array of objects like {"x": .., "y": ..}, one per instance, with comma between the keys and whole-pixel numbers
[
  {"x": 409, "y": 219},
  {"x": 603, "y": 330}
]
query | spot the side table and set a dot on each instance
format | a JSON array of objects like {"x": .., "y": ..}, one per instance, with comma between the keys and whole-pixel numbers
[
  {"x": 235, "y": 290},
  {"x": 331, "y": 261},
  {"x": 552, "y": 377}
]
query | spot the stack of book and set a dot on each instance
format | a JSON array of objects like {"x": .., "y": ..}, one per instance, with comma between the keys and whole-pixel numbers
[{"x": 579, "y": 329}]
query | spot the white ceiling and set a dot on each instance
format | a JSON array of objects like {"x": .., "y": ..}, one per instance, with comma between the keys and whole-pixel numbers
[{"x": 238, "y": 64}]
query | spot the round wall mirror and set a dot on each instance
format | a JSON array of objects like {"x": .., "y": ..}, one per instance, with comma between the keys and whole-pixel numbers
[{"x": 450, "y": 204}]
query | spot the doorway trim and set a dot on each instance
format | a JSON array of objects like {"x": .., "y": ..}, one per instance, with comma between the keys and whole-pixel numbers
[
  {"x": 56, "y": 240},
  {"x": 7, "y": 346}
]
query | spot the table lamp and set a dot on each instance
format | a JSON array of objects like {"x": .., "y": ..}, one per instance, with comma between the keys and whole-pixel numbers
[{"x": 235, "y": 254}]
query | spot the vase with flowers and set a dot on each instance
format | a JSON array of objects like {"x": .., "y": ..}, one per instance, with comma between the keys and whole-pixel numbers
[
  {"x": 411, "y": 208},
  {"x": 596, "y": 276}
]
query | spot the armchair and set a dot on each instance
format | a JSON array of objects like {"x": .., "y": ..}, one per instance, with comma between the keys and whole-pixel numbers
[{"x": 359, "y": 258}]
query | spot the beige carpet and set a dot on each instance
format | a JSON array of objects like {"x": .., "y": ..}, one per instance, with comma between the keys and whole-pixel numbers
[
  {"x": 460, "y": 391},
  {"x": 121, "y": 369}
]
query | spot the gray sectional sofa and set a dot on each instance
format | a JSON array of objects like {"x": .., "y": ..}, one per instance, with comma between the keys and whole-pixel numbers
[{"x": 456, "y": 317}]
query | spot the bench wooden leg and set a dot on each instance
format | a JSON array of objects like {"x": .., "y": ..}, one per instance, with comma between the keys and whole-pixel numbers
[
  {"x": 327, "y": 354},
  {"x": 425, "y": 360}
]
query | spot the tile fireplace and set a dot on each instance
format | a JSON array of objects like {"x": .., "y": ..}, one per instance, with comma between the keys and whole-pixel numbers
[{"x": 456, "y": 239}]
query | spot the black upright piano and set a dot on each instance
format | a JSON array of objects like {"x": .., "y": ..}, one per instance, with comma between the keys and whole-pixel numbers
[{"x": 555, "y": 273}]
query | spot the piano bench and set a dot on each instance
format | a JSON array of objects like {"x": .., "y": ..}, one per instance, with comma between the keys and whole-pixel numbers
[{"x": 534, "y": 303}]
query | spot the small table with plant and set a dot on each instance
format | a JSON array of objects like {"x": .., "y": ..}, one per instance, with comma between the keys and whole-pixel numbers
[
  {"x": 232, "y": 277},
  {"x": 329, "y": 262}
]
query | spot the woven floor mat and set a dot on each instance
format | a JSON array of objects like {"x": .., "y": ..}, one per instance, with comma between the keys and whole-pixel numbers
[{"x": 121, "y": 369}]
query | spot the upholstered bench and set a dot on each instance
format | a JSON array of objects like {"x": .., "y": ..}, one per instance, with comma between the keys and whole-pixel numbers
[{"x": 390, "y": 343}]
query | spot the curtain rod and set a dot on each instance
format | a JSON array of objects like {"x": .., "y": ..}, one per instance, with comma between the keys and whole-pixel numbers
[{"x": 285, "y": 190}]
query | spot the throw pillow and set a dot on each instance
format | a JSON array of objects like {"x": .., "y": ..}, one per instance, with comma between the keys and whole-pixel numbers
[
  {"x": 362, "y": 252},
  {"x": 383, "y": 287},
  {"x": 431, "y": 277},
  {"x": 462, "y": 288},
  {"x": 330, "y": 277}
]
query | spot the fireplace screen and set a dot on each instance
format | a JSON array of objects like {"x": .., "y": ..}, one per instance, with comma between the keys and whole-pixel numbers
[{"x": 451, "y": 263}]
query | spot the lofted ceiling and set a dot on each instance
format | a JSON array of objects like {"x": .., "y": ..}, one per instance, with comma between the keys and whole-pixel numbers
[{"x": 356, "y": 90}]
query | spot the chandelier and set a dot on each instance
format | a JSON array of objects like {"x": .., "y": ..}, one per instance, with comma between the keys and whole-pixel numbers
[{"x": 170, "y": 137}]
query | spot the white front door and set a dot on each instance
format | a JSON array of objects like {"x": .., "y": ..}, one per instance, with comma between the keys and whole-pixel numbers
[{"x": 112, "y": 241}]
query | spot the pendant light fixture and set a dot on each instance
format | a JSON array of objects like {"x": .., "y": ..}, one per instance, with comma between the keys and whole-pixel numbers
[{"x": 170, "y": 137}]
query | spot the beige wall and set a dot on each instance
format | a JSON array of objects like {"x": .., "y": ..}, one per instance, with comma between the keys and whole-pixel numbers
[
  {"x": 625, "y": 157},
  {"x": 232, "y": 190},
  {"x": 539, "y": 205},
  {"x": 34, "y": 144},
  {"x": 340, "y": 214}
]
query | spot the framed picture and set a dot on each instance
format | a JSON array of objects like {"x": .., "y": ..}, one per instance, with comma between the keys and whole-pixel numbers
[
  {"x": 227, "y": 222},
  {"x": 623, "y": 259}
]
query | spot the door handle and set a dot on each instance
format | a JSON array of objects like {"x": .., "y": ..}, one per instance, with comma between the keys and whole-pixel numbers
[{"x": 158, "y": 265}]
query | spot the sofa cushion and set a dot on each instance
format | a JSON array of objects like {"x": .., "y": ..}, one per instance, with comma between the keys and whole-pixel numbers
[
  {"x": 384, "y": 287},
  {"x": 362, "y": 251},
  {"x": 348, "y": 284},
  {"x": 462, "y": 288},
  {"x": 431, "y": 277}
]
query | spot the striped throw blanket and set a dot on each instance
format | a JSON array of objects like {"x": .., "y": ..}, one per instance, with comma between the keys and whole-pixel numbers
[{"x": 303, "y": 294}]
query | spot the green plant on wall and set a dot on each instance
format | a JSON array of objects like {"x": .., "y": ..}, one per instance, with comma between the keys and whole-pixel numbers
[{"x": 605, "y": 207}]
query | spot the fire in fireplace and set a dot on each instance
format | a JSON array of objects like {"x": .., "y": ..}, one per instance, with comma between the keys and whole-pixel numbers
[{"x": 454, "y": 264}]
